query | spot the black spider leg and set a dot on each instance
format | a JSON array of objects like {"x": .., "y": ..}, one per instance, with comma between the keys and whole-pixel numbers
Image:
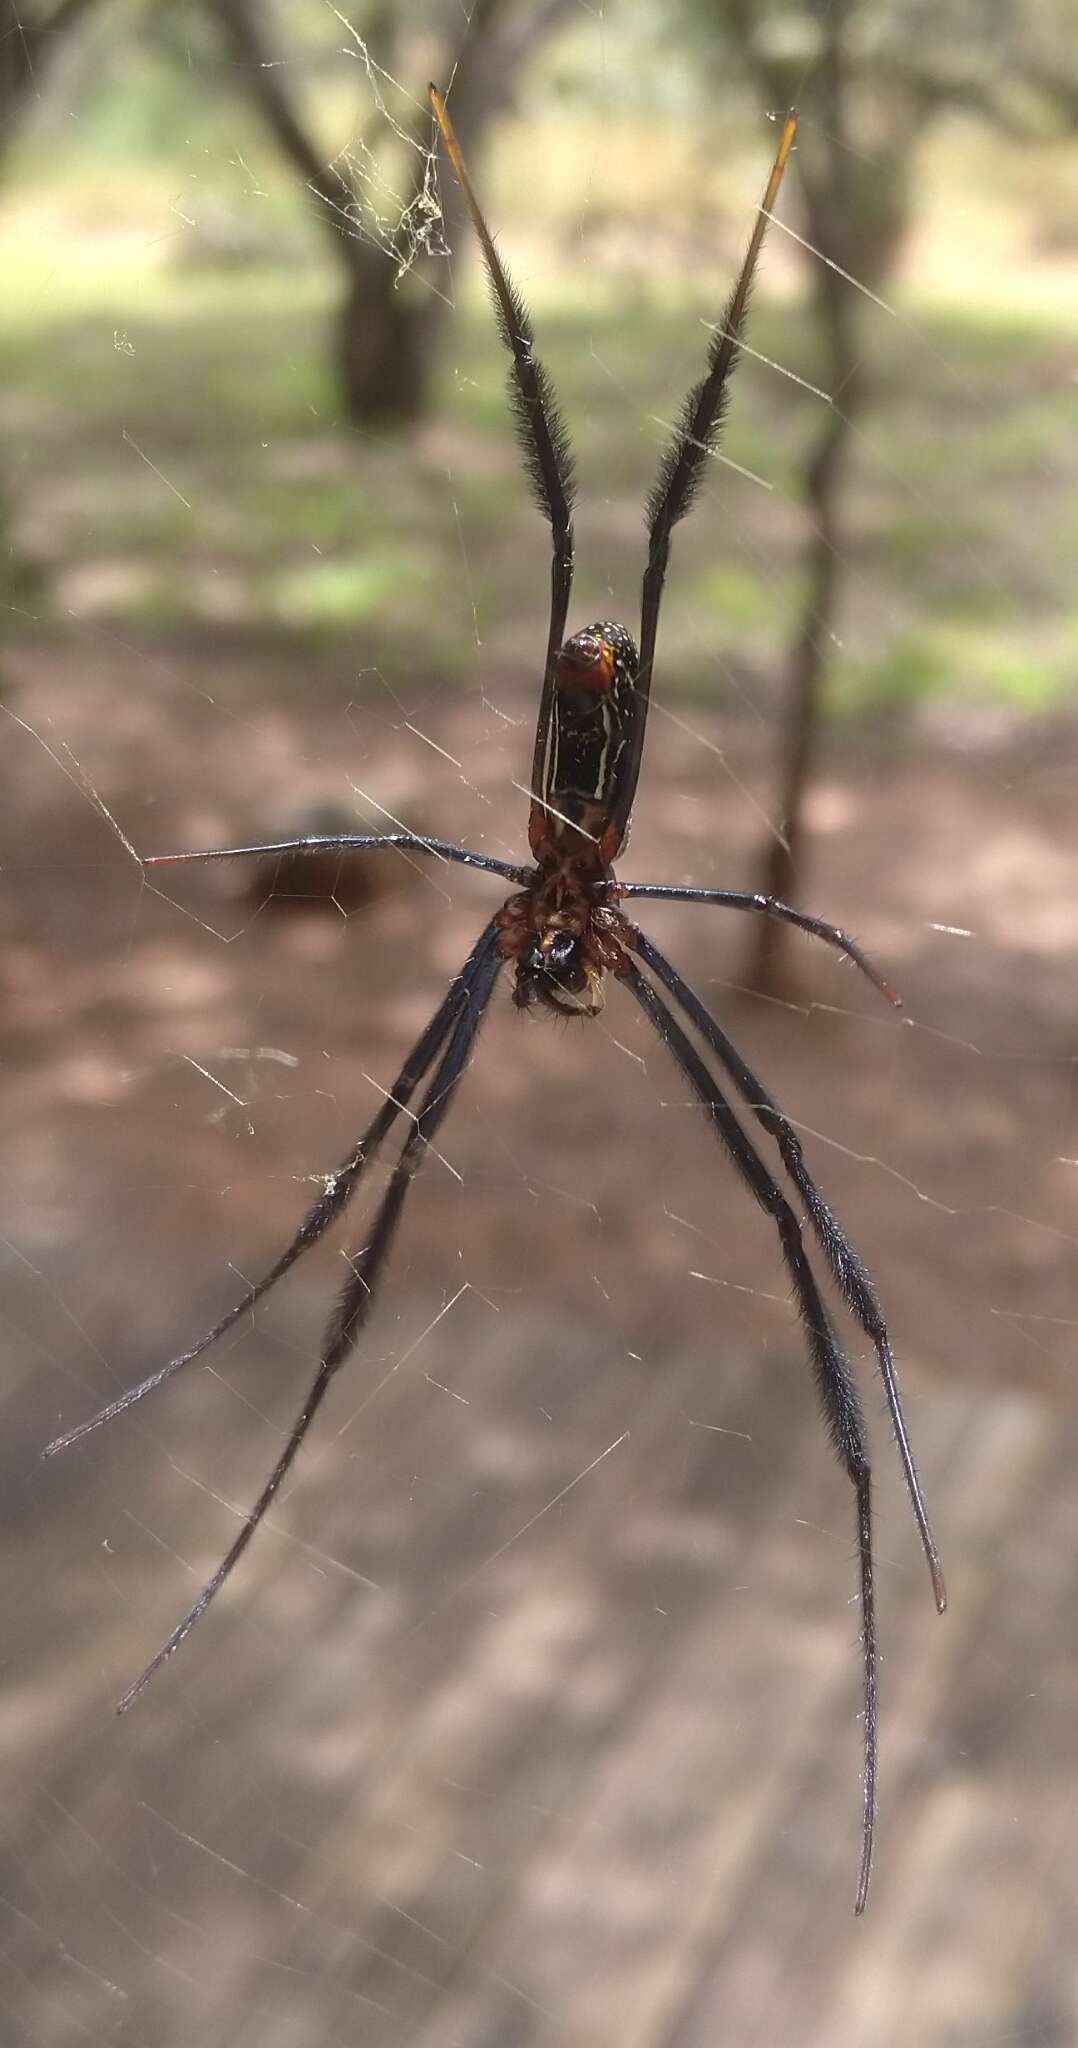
[
  {"x": 693, "y": 441},
  {"x": 349, "y": 842},
  {"x": 353, "y": 1308},
  {"x": 849, "y": 1271},
  {"x": 834, "y": 1381},
  {"x": 541, "y": 430},
  {"x": 784, "y": 913},
  {"x": 331, "y": 1203}
]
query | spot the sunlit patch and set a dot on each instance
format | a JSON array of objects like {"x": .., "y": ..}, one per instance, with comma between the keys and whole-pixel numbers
[{"x": 830, "y": 809}]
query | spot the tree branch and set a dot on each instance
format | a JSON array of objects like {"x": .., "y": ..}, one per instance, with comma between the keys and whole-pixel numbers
[
  {"x": 262, "y": 78},
  {"x": 26, "y": 48}
]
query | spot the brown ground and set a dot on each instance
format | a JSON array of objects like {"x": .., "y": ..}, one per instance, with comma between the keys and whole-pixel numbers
[{"x": 394, "y": 1791}]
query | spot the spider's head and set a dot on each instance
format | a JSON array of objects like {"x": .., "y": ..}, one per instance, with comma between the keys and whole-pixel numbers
[{"x": 553, "y": 967}]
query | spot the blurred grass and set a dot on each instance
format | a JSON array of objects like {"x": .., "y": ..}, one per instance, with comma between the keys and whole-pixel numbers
[{"x": 174, "y": 456}]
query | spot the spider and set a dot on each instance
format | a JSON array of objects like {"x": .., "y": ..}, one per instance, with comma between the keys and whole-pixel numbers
[{"x": 562, "y": 932}]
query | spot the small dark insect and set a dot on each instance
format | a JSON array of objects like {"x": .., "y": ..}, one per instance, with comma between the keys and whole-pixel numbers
[{"x": 563, "y": 931}]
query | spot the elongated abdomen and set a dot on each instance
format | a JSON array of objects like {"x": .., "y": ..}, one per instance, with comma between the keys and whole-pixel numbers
[{"x": 587, "y": 742}]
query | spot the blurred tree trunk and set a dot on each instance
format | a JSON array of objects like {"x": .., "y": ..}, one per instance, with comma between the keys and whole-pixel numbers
[
  {"x": 827, "y": 203},
  {"x": 871, "y": 77},
  {"x": 835, "y": 232},
  {"x": 857, "y": 214},
  {"x": 29, "y": 40},
  {"x": 780, "y": 860},
  {"x": 386, "y": 340},
  {"x": 391, "y": 317}
]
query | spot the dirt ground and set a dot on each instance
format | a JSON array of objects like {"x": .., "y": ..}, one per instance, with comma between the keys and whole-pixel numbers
[{"x": 180, "y": 1065}]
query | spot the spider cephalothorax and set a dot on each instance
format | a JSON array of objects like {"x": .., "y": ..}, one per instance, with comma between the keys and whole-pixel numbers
[
  {"x": 554, "y": 967},
  {"x": 563, "y": 933}
]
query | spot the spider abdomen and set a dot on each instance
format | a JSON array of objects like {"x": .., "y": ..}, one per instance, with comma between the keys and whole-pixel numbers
[{"x": 587, "y": 750}]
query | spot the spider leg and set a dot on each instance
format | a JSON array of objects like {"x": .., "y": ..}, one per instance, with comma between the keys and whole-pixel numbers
[
  {"x": 348, "y": 842},
  {"x": 682, "y": 465},
  {"x": 351, "y": 1311},
  {"x": 743, "y": 899},
  {"x": 540, "y": 427},
  {"x": 331, "y": 1203},
  {"x": 834, "y": 1381},
  {"x": 850, "y": 1273}
]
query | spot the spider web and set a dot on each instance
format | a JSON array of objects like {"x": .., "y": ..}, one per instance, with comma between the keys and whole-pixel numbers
[
  {"x": 531, "y": 1715},
  {"x": 404, "y": 226}
]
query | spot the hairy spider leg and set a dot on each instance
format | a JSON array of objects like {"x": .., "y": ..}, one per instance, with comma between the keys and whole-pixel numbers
[
  {"x": 768, "y": 906},
  {"x": 339, "y": 1188},
  {"x": 349, "y": 842},
  {"x": 549, "y": 464},
  {"x": 693, "y": 442},
  {"x": 354, "y": 1306},
  {"x": 850, "y": 1274},
  {"x": 831, "y": 1370},
  {"x": 541, "y": 431}
]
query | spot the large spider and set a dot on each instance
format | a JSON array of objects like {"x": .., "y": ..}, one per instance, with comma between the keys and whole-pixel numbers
[{"x": 563, "y": 931}]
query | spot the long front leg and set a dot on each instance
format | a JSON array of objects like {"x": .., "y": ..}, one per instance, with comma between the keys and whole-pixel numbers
[
  {"x": 349, "y": 842},
  {"x": 339, "y": 1188},
  {"x": 355, "y": 1304},
  {"x": 769, "y": 906},
  {"x": 692, "y": 443},
  {"x": 848, "y": 1269},
  {"x": 543, "y": 436}
]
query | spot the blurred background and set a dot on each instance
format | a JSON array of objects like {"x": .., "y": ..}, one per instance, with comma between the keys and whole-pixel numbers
[{"x": 532, "y": 1715}]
